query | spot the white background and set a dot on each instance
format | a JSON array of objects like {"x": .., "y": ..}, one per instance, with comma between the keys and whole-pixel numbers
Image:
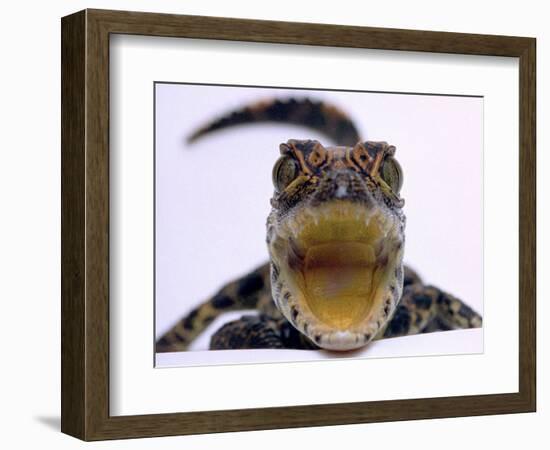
[
  {"x": 30, "y": 225},
  {"x": 213, "y": 196}
]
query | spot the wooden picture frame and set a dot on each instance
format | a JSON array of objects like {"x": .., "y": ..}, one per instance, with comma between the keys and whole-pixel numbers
[{"x": 85, "y": 224}]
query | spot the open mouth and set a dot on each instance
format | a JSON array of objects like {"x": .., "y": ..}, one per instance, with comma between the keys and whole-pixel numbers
[
  {"x": 339, "y": 261},
  {"x": 337, "y": 280}
]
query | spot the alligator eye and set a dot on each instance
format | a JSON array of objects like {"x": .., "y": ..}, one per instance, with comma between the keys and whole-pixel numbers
[
  {"x": 284, "y": 172},
  {"x": 392, "y": 174}
]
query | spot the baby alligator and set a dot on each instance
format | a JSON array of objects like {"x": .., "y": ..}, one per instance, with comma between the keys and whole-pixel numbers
[{"x": 335, "y": 235}]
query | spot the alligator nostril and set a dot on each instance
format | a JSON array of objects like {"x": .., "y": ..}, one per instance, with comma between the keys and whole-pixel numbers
[
  {"x": 343, "y": 182},
  {"x": 342, "y": 190},
  {"x": 341, "y": 185}
]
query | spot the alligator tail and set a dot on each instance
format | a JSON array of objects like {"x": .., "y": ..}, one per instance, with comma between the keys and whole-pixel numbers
[{"x": 316, "y": 115}]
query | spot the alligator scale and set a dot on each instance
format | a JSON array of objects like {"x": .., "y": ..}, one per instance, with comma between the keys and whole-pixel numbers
[{"x": 336, "y": 236}]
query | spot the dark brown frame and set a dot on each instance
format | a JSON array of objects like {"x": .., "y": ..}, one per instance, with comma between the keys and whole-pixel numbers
[{"x": 85, "y": 224}]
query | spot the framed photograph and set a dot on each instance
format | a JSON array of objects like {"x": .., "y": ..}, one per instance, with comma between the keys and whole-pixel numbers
[
  {"x": 270, "y": 224},
  {"x": 185, "y": 250}
]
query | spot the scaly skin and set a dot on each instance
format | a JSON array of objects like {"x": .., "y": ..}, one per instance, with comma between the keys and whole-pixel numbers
[{"x": 335, "y": 235}]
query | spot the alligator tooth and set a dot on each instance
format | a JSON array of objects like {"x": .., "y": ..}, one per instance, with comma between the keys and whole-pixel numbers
[{"x": 379, "y": 249}]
